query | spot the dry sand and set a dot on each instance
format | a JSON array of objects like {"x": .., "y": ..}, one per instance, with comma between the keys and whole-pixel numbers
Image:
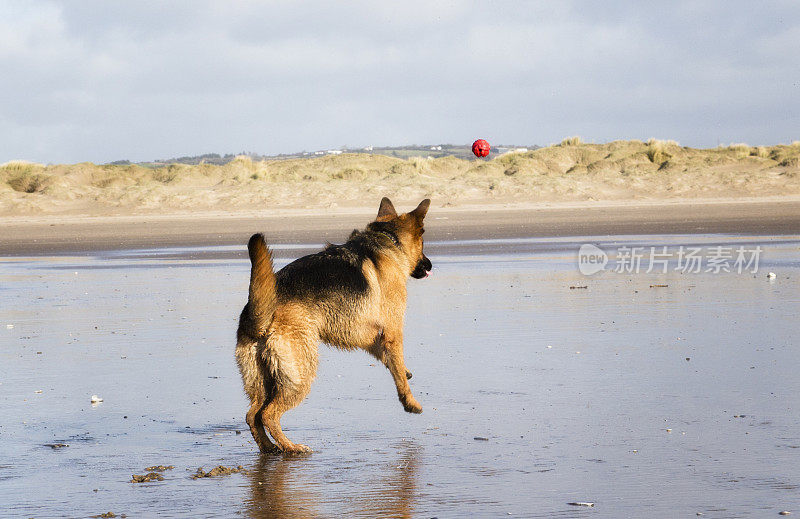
[
  {"x": 47, "y": 235},
  {"x": 614, "y": 172},
  {"x": 622, "y": 187}
]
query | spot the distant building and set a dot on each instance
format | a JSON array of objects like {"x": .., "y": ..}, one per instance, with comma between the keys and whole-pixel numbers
[
  {"x": 319, "y": 153},
  {"x": 436, "y": 148},
  {"x": 334, "y": 152},
  {"x": 368, "y": 148}
]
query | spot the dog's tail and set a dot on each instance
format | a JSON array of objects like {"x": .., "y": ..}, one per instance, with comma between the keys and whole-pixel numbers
[{"x": 261, "y": 301}]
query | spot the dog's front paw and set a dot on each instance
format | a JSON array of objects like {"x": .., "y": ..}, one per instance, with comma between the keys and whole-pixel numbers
[{"x": 411, "y": 405}]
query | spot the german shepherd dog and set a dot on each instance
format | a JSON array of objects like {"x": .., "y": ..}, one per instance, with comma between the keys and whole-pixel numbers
[{"x": 350, "y": 296}]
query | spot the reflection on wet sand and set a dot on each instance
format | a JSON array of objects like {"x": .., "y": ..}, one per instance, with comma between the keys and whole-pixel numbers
[
  {"x": 277, "y": 491},
  {"x": 292, "y": 487}
]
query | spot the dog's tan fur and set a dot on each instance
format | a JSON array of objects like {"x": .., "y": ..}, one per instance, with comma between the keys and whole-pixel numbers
[{"x": 279, "y": 330}]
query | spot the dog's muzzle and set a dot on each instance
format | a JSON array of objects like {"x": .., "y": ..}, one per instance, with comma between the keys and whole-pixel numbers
[{"x": 423, "y": 267}]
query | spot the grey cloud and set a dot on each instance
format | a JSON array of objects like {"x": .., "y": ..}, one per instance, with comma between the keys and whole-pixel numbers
[{"x": 109, "y": 80}]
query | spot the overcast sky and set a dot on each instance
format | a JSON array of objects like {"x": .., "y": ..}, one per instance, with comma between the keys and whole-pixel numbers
[{"x": 103, "y": 80}]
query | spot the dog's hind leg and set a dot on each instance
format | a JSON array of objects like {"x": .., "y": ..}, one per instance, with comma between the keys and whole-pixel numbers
[
  {"x": 255, "y": 385},
  {"x": 256, "y": 424},
  {"x": 291, "y": 358},
  {"x": 393, "y": 353},
  {"x": 272, "y": 420}
]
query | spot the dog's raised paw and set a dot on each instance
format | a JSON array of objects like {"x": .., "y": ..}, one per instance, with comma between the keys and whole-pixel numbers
[{"x": 412, "y": 406}]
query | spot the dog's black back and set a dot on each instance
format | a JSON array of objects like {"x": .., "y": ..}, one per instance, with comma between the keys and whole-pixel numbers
[{"x": 335, "y": 272}]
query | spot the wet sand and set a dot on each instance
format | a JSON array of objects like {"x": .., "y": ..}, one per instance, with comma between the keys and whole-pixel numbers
[
  {"x": 79, "y": 235},
  {"x": 644, "y": 400}
]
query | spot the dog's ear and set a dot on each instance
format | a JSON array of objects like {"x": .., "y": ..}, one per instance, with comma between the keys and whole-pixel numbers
[
  {"x": 421, "y": 210},
  {"x": 386, "y": 211}
]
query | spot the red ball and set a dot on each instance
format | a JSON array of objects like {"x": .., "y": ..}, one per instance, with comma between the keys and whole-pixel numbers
[{"x": 481, "y": 148}]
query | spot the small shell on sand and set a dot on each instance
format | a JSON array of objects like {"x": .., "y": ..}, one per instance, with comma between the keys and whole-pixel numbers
[
  {"x": 96, "y": 399},
  {"x": 771, "y": 275}
]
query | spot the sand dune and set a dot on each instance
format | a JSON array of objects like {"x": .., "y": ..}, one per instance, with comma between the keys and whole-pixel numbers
[{"x": 568, "y": 172}]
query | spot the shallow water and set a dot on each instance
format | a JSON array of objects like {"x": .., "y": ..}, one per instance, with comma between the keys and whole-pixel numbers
[{"x": 646, "y": 401}]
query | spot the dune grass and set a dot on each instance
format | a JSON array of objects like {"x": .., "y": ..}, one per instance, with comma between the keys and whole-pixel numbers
[
  {"x": 569, "y": 171},
  {"x": 658, "y": 152},
  {"x": 24, "y": 177},
  {"x": 572, "y": 141}
]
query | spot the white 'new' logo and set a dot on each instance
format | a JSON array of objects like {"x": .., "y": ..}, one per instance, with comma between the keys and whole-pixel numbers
[{"x": 591, "y": 259}]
